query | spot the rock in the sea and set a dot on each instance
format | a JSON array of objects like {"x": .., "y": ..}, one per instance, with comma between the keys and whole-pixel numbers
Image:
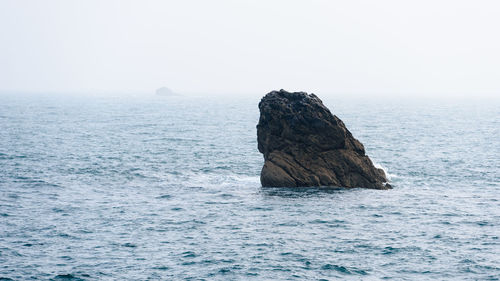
[
  {"x": 305, "y": 145},
  {"x": 164, "y": 91}
]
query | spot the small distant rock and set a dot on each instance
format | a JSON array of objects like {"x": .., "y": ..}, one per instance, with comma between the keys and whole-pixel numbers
[
  {"x": 164, "y": 91},
  {"x": 305, "y": 145}
]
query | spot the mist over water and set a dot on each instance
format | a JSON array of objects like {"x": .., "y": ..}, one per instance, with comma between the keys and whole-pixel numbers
[{"x": 168, "y": 188}]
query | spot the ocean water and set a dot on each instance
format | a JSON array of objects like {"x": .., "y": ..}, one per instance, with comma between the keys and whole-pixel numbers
[{"x": 167, "y": 188}]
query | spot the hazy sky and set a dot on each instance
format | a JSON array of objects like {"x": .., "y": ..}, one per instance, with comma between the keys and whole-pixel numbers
[{"x": 445, "y": 47}]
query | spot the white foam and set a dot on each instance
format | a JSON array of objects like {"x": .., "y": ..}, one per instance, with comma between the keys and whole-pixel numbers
[
  {"x": 389, "y": 175},
  {"x": 217, "y": 180}
]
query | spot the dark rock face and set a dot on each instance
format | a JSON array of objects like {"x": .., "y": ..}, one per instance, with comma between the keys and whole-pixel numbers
[{"x": 305, "y": 145}]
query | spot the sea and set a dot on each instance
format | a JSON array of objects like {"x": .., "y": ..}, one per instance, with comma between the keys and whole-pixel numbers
[{"x": 145, "y": 187}]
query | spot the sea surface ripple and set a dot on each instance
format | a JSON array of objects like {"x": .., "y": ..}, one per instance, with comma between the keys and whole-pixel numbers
[{"x": 168, "y": 188}]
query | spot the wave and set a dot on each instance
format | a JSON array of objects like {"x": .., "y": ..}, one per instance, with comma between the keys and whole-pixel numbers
[{"x": 390, "y": 176}]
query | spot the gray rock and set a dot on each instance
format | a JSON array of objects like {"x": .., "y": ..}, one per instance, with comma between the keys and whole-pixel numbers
[
  {"x": 164, "y": 91},
  {"x": 305, "y": 145}
]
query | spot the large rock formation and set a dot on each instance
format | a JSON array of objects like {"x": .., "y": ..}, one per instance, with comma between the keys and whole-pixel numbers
[{"x": 305, "y": 145}]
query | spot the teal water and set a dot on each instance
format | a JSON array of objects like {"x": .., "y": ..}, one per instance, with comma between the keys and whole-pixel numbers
[{"x": 168, "y": 188}]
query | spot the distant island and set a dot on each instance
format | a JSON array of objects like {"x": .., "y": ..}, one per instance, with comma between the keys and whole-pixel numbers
[{"x": 164, "y": 91}]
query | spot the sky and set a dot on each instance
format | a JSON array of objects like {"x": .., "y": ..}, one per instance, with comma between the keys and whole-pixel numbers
[{"x": 387, "y": 47}]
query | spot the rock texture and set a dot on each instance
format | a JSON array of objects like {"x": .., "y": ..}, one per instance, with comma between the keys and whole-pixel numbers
[{"x": 305, "y": 145}]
